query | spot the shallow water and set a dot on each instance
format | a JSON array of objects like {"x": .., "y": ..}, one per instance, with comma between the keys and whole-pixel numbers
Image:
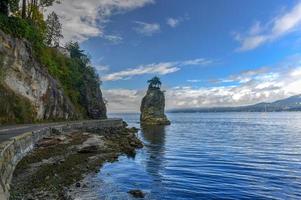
[{"x": 210, "y": 156}]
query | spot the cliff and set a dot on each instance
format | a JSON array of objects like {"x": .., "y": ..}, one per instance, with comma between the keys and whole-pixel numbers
[
  {"x": 152, "y": 108},
  {"x": 92, "y": 99},
  {"x": 29, "y": 92}
]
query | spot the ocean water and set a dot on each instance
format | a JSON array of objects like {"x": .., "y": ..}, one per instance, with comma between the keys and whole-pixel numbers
[{"x": 209, "y": 156}]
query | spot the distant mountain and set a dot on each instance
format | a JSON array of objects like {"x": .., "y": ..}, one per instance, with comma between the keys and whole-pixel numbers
[{"x": 289, "y": 104}]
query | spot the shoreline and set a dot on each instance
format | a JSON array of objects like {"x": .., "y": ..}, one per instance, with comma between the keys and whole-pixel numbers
[{"x": 59, "y": 162}]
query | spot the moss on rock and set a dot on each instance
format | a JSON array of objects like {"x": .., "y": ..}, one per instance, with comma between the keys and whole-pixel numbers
[
  {"x": 59, "y": 161},
  {"x": 15, "y": 108}
]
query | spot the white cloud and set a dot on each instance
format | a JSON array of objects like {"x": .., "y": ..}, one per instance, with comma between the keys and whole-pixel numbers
[
  {"x": 280, "y": 26},
  {"x": 296, "y": 72},
  {"x": 84, "y": 19},
  {"x": 161, "y": 68},
  {"x": 123, "y": 100},
  {"x": 252, "y": 86},
  {"x": 101, "y": 68},
  {"x": 173, "y": 22},
  {"x": 198, "y": 61},
  {"x": 194, "y": 81},
  {"x": 147, "y": 29},
  {"x": 115, "y": 39}
]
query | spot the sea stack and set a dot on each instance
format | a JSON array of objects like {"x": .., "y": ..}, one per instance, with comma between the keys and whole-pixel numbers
[{"x": 153, "y": 105}]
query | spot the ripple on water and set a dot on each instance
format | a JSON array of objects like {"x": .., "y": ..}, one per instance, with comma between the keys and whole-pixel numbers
[{"x": 210, "y": 156}]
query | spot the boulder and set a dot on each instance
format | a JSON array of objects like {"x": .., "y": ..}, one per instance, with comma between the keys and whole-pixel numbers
[{"x": 136, "y": 193}]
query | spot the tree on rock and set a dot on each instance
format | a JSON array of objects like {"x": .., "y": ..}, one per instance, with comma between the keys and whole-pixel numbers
[
  {"x": 155, "y": 83},
  {"x": 54, "y": 30}
]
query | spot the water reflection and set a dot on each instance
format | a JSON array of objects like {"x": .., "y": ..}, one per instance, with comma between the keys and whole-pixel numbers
[{"x": 154, "y": 136}]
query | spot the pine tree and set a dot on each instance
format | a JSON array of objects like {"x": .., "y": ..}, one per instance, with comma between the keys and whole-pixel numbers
[
  {"x": 54, "y": 30},
  {"x": 155, "y": 82}
]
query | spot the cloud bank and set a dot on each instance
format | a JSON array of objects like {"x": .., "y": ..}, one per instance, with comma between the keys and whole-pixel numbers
[
  {"x": 248, "y": 87},
  {"x": 84, "y": 19}
]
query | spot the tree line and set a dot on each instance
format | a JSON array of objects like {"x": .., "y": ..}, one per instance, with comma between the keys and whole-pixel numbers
[{"x": 33, "y": 11}]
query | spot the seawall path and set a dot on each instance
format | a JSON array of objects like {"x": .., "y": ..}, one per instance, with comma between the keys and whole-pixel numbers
[{"x": 17, "y": 140}]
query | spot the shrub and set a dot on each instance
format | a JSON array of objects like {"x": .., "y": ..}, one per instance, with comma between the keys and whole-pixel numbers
[
  {"x": 14, "y": 108},
  {"x": 25, "y": 29}
]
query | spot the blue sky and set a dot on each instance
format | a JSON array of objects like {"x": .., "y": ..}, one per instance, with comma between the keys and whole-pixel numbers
[{"x": 207, "y": 53}]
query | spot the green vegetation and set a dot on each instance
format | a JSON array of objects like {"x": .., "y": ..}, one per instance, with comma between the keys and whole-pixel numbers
[
  {"x": 74, "y": 73},
  {"x": 15, "y": 108},
  {"x": 54, "y": 30},
  {"x": 25, "y": 29},
  {"x": 154, "y": 83},
  {"x": 2, "y": 72}
]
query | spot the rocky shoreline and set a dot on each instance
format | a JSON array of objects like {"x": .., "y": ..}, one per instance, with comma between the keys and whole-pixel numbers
[{"x": 59, "y": 162}]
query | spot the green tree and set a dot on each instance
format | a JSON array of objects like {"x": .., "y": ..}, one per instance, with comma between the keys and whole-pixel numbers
[
  {"x": 77, "y": 53},
  {"x": 54, "y": 30},
  {"x": 155, "y": 82},
  {"x": 4, "y": 7},
  {"x": 14, "y": 5},
  {"x": 32, "y": 8}
]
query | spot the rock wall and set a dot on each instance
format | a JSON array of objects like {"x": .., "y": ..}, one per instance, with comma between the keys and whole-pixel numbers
[
  {"x": 92, "y": 99},
  {"x": 23, "y": 75},
  {"x": 152, "y": 108},
  {"x": 13, "y": 150}
]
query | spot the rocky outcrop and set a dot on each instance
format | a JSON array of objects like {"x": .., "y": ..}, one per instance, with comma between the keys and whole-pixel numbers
[
  {"x": 92, "y": 99},
  {"x": 25, "y": 79},
  {"x": 24, "y": 76},
  {"x": 57, "y": 166},
  {"x": 152, "y": 108}
]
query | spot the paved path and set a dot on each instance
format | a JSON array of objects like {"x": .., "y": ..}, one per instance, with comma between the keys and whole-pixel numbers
[{"x": 7, "y": 132}]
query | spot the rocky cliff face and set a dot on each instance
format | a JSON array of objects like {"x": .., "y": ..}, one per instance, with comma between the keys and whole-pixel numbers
[
  {"x": 152, "y": 108},
  {"x": 93, "y": 100},
  {"x": 25, "y": 78}
]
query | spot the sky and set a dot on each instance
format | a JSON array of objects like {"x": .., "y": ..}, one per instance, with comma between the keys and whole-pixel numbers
[{"x": 207, "y": 53}]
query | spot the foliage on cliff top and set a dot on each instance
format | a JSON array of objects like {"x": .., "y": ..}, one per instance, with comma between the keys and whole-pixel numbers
[
  {"x": 25, "y": 29},
  {"x": 73, "y": 73}
]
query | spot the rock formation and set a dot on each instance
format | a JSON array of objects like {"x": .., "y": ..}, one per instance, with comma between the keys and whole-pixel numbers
[
  {"x": 92, "y": 99},
  {"x": 34, "y": 90},
  {"x": 153, "y": 105}
]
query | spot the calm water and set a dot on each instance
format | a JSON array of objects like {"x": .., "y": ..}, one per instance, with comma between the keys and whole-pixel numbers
[{"x": 210, "y": 156}]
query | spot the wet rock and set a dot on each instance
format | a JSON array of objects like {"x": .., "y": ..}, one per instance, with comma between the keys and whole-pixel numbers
[
  {"x": 91, "y": 145},
  {"x": 89, "y": 149},
  {"x": 46, "y": 142},
  {"x": 125, "y": 124},
  {"x": 136, "y": 193},
  {"x": 48, "y": 169}
]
